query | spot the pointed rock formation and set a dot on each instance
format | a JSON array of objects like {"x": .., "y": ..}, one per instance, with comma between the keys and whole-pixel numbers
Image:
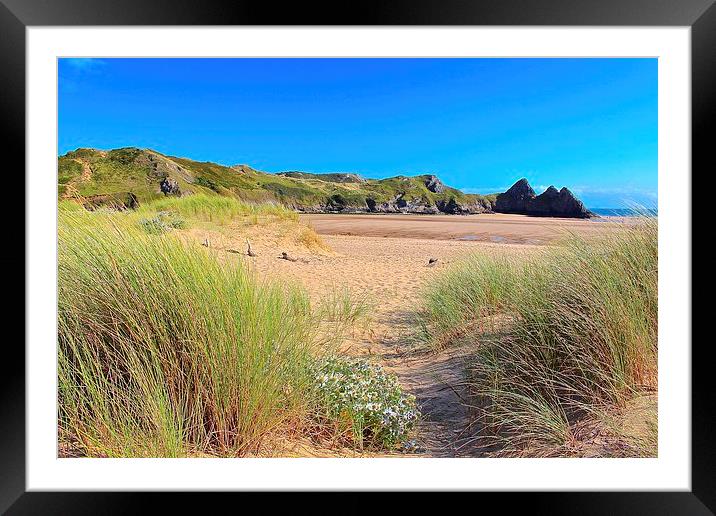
[
  {"x": 562, "y": 203},
  {"x": 515, "y": 199},
  {"x": 521, "y": 198}
]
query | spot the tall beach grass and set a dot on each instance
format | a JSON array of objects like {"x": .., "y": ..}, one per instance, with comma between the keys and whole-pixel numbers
[
  {"x": 565, "y": 342},
  {"x": 163, "y": 351},
  {"x": 166, "y": 351}
]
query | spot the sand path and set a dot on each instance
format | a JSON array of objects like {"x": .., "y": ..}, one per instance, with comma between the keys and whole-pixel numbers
[
  {"x": 86, "y": 175},
  {"x": 391, "y": 272}
]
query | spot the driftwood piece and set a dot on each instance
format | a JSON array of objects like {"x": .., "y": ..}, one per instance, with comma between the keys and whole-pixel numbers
[
  {"x": 248, "y": 249},
  {"x": 285, "y": 256}
]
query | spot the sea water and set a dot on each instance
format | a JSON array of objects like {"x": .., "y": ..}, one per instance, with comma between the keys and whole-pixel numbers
[{"x": 625, "y": 212}]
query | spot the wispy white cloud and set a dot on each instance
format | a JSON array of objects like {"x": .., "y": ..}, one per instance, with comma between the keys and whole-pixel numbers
[
  {"x": 485, "y": 190},
  {"x": 84, "y": 64},
  {"x": 623, "y": 190},
  {"x": 73, "y": 71}
]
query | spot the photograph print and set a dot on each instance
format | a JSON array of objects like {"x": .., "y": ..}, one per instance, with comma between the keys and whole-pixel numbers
[{"x": 357, "y": 257}]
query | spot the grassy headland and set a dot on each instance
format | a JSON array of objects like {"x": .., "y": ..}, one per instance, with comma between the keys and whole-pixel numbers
[{"x": 111, "y": 176}]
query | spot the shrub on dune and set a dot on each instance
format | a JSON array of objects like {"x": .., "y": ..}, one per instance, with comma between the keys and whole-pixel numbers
[
  {"x": 366, "y": 400},
  {"x": 162, "y": 222}
]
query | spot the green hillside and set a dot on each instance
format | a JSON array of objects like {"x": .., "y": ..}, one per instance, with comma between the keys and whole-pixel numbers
[{"x": 131, "y": 175}]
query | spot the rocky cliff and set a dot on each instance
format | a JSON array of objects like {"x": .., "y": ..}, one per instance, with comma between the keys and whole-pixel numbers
[
  {"x": 130, "y": 176},
  {"x": 99, "y": 177},
  {"x": 521, "y": 199}
]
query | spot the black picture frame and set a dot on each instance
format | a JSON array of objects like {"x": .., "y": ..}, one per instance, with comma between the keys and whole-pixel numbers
[{"x": 17, "y": 15}]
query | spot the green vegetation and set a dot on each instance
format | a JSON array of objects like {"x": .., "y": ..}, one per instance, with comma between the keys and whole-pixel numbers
[
  {"x": 89, "y": 173},
  {"x": 163, "y": 351},
  {"x": 116, "y": 171},
  {"x": 329, "y": 178},
  {"x": 565, "y": 340},
  {"x": 346, "y": 309},
  {"x": 209, "y": 211},
  {"x": 162, "y": 222},
  {"x": 216, "y": 209},
  {"x": 363, "y": 398},
  {"x": 64, "y": 205}
]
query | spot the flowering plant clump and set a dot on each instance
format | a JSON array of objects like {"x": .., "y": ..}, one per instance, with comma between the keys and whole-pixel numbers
[
  {"x": 368, "y": 398},
  {"x": 162, "y": 222}
]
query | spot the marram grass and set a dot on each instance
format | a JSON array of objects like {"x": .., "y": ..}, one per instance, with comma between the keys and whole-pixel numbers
[
  {"x": 163, "y": 351},
  {"x": 562, "y": 339}
]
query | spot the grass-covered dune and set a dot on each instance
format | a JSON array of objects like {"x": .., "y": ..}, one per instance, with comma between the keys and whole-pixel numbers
[
  {"x": 132, "y": 175},
  {"x": 166, "y": 351},
  {"x": 564, "y": 341}
]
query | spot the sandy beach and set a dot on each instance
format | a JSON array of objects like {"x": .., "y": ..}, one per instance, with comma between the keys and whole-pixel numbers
[{"x": 385, "y": 260}]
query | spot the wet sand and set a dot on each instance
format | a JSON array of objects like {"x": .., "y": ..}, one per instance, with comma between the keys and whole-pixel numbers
[{"x": 497, "y": 227}]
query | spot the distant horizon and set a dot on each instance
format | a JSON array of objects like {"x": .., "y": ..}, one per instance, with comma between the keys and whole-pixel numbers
[{"x": 478, "y": 124}]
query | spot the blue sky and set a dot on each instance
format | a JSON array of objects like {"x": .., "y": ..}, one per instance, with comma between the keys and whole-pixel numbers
[{"x": 479, "y": 124}]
